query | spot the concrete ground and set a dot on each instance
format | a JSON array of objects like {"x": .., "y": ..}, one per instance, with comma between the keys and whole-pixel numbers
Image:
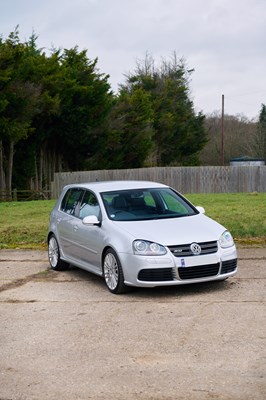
[{"x": 64, "y": 336}]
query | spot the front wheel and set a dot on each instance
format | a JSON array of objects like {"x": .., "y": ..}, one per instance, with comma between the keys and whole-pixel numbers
[
  {"x": 113, "y": 273},
  {"x": 54, "y": 255}
]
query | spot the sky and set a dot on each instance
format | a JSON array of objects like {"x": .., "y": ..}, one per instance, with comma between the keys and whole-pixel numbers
[{"x": 224, "y": 41}]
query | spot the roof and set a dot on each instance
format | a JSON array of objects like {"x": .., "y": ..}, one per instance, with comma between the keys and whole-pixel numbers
[
  {"x": 105, "y": 186},
  {"x": 246, "y": 158}
]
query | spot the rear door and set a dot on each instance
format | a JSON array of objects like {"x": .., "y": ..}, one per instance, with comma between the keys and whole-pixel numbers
[{"x": 67, "y": 219}]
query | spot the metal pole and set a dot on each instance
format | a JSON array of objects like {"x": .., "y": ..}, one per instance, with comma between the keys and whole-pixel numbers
[{"x": 222, "y": 150}]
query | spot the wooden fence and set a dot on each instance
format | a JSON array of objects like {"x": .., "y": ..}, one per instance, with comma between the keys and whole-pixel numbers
[
  {"x": 184, "y": 179},
  {"x": 24, "y": 195}
]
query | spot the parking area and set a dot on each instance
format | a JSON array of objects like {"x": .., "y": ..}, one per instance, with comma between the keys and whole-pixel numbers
[{"x": 63, "y": 335}]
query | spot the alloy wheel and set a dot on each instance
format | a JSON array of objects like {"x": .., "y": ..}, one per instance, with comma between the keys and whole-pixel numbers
[{"x": 111, "y": 271}]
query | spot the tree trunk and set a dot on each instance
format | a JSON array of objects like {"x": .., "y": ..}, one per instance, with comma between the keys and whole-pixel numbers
[
  {"x": 40, "y": 181},
  {"x": 2, "y": 174},
  {"x": 36, "y": 186},
  {"x": 9, "y": 170}
]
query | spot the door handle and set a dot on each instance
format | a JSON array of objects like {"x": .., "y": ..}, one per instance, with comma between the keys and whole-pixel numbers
[{"x": 75, "y": 228}]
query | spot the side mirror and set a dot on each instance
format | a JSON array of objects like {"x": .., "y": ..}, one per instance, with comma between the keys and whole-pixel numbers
[
  {"x": 200, "y": 209},
  {"x": 91, "y": 220}
]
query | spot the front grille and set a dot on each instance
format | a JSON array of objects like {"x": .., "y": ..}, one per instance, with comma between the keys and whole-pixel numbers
[
  {"x": 229, "y": 266},
  {"x": 156, "y": 274},
  {"x": 183, "y": 250},
  {"x": 199, "y": 271}
]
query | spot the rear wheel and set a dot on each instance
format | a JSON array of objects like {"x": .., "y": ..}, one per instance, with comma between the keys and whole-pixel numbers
[
  {"x": 54, "y": 255},
  {"x": 113, "y": 273}
]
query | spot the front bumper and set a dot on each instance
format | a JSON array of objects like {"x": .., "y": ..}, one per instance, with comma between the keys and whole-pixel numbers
[{"x": 167, "y": 270}]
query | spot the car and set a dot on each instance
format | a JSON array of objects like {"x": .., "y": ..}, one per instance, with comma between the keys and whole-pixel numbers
[{"x": 138, "y": 233}]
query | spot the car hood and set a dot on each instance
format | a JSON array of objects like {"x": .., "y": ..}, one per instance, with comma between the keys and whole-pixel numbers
[{"x": 173, "y": 231}]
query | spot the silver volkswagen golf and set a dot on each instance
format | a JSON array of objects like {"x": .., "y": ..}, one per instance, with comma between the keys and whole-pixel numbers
[{"x": 136, "y": 233}]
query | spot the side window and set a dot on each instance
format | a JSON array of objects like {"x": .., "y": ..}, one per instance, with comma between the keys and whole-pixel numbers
[
  {"x": 89, "y": 206},
  {"x": 149, "y": 200},
  {"x": 172, "y": 204},
  {"x": 70, "y": 201}
]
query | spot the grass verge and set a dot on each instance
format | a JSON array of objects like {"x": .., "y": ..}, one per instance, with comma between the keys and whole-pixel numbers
[
  {"x": 244, "y": 214},
  {"x": 24, "y": 225}
]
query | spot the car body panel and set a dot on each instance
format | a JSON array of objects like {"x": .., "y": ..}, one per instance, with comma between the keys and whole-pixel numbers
[
  {"x": 83, "y": 245},
  {"x": 171, "y": 231}
]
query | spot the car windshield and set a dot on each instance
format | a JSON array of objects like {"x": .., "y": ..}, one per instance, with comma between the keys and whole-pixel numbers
[{"x": 146, "y": 204}]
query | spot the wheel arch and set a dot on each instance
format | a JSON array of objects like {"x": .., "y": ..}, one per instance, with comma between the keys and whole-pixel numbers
[
  {"x": 104, "y": 252},
  {"x": 50, "y": 233}
]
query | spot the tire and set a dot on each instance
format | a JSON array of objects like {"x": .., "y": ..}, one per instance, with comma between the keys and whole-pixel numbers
[
  {"x": 113, "y": 273},
  {"x": 54, "y": 255}
]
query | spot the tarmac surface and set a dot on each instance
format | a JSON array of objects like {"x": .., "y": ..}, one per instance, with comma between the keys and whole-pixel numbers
[{"x": 63, "y": 335}]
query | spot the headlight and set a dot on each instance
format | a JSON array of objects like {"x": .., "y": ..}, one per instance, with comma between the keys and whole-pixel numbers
[
  {"x": 146, "y": 248},
  {"x": 226, "y": 240}
]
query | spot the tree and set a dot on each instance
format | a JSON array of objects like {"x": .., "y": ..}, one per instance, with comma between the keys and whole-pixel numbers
[
  {"x": 260, "y": 142},
  {"x": 126, "y": 138},
  {"x": 239, "y": 134},
  {"x": 50, "y": 111},
  {"x": 74, "y": 100},
  {"x": 85, "y": 101},
  {"x": 18, "y": 105},
  {"x": 179, "y": 132}
]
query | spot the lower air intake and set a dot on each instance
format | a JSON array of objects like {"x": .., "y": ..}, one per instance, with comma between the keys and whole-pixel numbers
[
  {"x": 156, "y": 274},
  {"x": 200, "y": 271}
]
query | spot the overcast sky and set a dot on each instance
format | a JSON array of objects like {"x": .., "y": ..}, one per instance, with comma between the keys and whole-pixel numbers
[{"x": 223, "y": 40}]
